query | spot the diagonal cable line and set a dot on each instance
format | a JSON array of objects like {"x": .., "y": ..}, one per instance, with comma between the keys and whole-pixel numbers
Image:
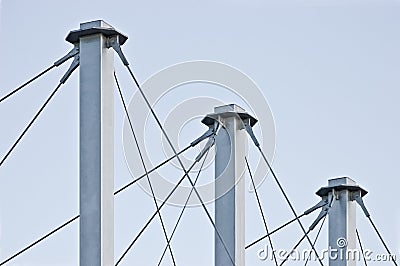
[
  {"x": 316, "y": 238},
  {"x": 62, "y": 81},
  {"x": 322, "y": 224},
  {"x": 184, "y": 207},
  {"x": 359, "y": 200},
  {"x": 154, "y": 214},
  {"x": 362, "y": 249},
  {"x": 150, "y": 171},
  {"x": 392, "y": 257},
  {"x": 39, "y": 240},
  {"x": 118, "y": 49},
  {"x": 309, "y": 230},
  {"x": 279, "y": 228},
  {"x": 58, "y": 63},
  {"x": 295, "y": 247},
  {"x": 74, "y": 53},
  {"x": 273, "y": 232},
  {"x": 257, "y": 144},
  {"x": 306, "y": 234},
  {"x": 164, "y": 202},
  {"x": 179, "y": 160},
  {"x": 261, "y": 211},
  {"x": 158, "y": 121},
  {"x": 26, "y": 83},
  {"x": 76, "y": 217},
  {"x": 289, "y": 203},
  {"x": 145, "y": 168},
  {"x": 30, "y": 124},
  {"x": 212, "y": 223}
]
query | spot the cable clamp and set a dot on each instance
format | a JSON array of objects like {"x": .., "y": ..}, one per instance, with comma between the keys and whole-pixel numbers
[
  {"x": 71, "y": 54},
  {"x": 71, "y": 68},
  {"x": 114, "y": 43},
  {"x": 211, "y": 131},
  {"x": 250, "y": 131},
  {"x": 208, "y": 146},
  {"x": 320, "y": 204},
  {"x": 325, "y": 209},
  {"x": 210, "y": 134},
  {"x": 356, "y": 195}
]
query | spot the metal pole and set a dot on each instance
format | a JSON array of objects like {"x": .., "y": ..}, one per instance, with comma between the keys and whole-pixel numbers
[
  {"x": 342, "y": 220},
  {"x": 96, "y": 150},
  {"x": 231, "y": 143}
]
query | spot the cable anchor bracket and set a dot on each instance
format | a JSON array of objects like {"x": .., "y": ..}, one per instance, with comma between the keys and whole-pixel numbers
[
  {"x": 71, "y": 68},
  {"x": 326, "y": 204},
  {"x": 114, "y": 42},
  {"x": 250, "y": 131},
  {"x": 357, "y": 196},
  {"x": 212, "y": 130},
  {"x": 210, "y": 134},
  {"x": 68, "y": 56}
]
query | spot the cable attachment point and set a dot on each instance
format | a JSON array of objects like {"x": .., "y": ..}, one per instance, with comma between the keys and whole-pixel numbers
[
  {"x": 71, "y": 54},
  {"x": 71, "y": 68},
  {"x": 114, "y": 43},
  {"x": 211, "y": 131},
  {"x": 356, "y": 195},
  {"x": 208, "y": 146},
  {"x": 210, "y": 134},
  {"x": 320, "y": 204},
  {"x": 327, "y": 200},
  {"x": 250, "y": 131}
]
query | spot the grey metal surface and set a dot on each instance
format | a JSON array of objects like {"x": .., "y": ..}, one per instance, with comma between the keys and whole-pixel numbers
[
  {"x": 95, "y": 27},
  {"x": 229, "y": 173},
  {"x": 96, "y": 118},
  {"x": 342, "y": 221}
]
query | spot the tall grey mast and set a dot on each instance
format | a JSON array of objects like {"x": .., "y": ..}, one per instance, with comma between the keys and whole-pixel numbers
[
  {"x": 96, "y": 150},
  {"x": 230, "y": 154},
  {"x": 342, "y": 220}
]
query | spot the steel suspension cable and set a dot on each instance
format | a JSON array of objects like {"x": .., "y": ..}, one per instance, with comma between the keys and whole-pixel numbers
[
  {"x": 322, "y": 224},
  {"x": 273, "y": 231},
  {"x": 383, "y": 241},
  {"x": 58, "y": 63},
  {"x": 278, "y": 229},
  {"x": 163, "y": 203},
  {"x": 154, "y": 214},
  {"x": 249, "y": 130},
  {"x": 175, "y": 152},
  {"x": 316, "y": 238},
  {"x": 289, "y": 203},
  {"x": 144, "y": 168},
  {"x": 27, "y": 83},
  {"x": 150, "y": 171},
  {"x": 261, "y": 211},
  {"x": 184, "y": 207},
  {"x": 76, "y": 217},
  {"x": 361, "y": 247},
  {"x": 71, "y": 54},
  {"x": 39, "y": 240},
  {"x": 30, "y": 124},
  {"x": 211, "y": 221},
  {"x": 62, "y": 81},
  {"x": 294, "y": 248}
]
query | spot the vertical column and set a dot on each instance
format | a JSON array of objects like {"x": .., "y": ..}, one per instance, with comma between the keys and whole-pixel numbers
[
  {"x": 342, "y": 220},
  {"x": 96, "y": 150},
  {"x": 231, "y": 143}
]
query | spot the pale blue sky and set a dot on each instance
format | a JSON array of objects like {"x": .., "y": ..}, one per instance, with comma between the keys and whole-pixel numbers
[{"x": 329, "y": 70}]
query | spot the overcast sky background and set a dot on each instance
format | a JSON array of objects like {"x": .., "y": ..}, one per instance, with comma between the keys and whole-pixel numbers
[{"x": 329, "y": 70}]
